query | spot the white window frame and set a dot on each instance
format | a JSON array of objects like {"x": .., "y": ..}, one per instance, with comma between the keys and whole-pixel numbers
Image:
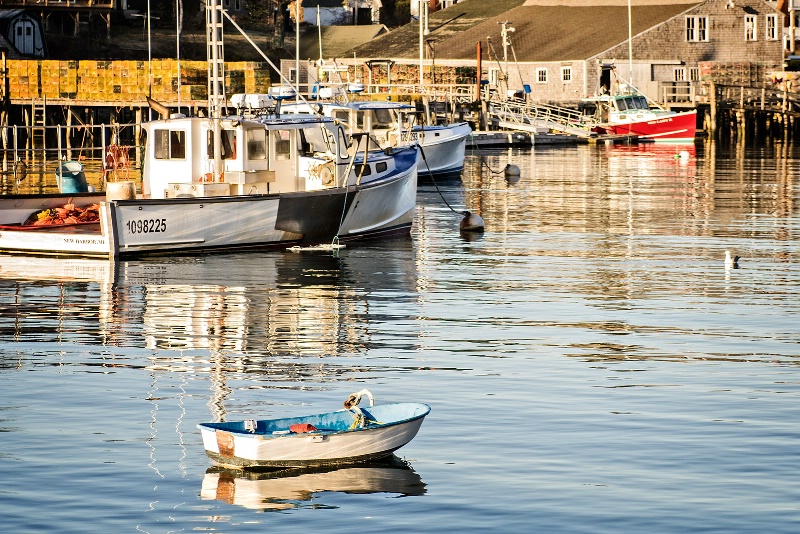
[
  {"x": 750, "y": 27},
  {"x": 771, "y": 27},
  {"x": 694, "y": 74},
  {"x": 697, "y": 29},
  {"x": 566, "y": 74},
  {"x": 679, "y": 74},
  {"x": 541, "y": 75}
]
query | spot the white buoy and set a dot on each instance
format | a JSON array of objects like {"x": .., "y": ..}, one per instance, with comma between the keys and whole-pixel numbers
[{"x": 471, "y": 222}]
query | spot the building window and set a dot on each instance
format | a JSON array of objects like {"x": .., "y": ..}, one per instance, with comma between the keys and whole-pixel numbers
[
  {"x": 772, "y": 28},
  {"x": 696, "y": 29},
  {"x": 694, "y": 74},
  {"x": 749, "y": 27},
  {"x": 566, "y": 74},
  {"x": 541, "y": 75},
  {"x": 679, "y": 74},
  {"x": 293, "y": 76}
]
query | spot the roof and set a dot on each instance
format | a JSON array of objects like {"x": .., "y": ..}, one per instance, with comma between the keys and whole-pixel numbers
[
  {"x": 404, "y": 41},
  {"x": 311, "y": 4},
  {"x": 336, "y": 40},
  {"x": 544, "y": 30}
]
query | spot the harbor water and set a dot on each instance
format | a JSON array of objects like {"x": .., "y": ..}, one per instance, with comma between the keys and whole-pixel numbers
[{"x": 592, "y": 363}]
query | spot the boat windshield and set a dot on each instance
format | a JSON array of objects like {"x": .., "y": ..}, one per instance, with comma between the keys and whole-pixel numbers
[
  {"x": 382, "y": 118},
  {"x": 313, "y": 140},
  {"x": 632, "y": 102}
]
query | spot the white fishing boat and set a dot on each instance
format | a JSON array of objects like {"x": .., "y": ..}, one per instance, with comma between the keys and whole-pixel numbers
[
  {"x": 393, "y": 124},
  {"x": 281, "y": 182},
  {"x": 227, "y": 183},
  {"x": 345, "y": 436}
]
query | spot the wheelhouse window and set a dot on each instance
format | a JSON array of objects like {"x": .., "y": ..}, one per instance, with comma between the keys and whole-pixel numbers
[
  {"x": 283, "y": 145},
  {"x": 749, "y": 27},
  {"x": 256, "y": 144},
  {"x": 696, "y": 29},
  {"x": 381, "y": 118},
  {"x": 566, "y": 74},
  {"x": 694, "y": 74},
  {"x": 679, "y": 74},
  {"x": 170, "y": 144},
  {"x": 541, "y": 75},
  {"x": 772, "y": 28},
  {"x": 228, "y": 142},
  {"x": 362, "y": 170}
]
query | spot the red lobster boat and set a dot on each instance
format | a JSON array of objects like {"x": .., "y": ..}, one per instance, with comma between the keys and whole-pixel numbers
[{"x": 632, "y": 114}]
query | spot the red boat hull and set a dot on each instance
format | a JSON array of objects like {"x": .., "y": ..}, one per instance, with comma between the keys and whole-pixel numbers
[{"x": 676, "y": 127}]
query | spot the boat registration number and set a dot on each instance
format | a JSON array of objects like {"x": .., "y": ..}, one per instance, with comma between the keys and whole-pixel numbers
[{"x": 146, "y": 226}]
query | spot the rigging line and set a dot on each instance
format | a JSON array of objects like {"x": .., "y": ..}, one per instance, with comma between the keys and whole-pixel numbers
[
  {"x": 430, "y": 175},
  {"x": 483, "y": 161}
]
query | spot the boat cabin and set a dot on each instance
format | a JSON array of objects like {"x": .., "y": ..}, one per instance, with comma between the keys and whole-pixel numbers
[{"x": 257, "y": 156}]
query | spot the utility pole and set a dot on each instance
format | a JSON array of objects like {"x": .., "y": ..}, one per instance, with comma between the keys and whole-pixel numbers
[{"x": 422, "y": 14}]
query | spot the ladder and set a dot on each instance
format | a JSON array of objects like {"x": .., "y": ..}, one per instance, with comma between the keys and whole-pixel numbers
[{"x": 38, "y": 122}]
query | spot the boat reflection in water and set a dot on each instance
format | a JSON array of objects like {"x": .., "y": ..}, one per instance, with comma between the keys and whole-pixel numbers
[
  {"x": 260, "y": 303},
  {"x": 296, "y": 488}
]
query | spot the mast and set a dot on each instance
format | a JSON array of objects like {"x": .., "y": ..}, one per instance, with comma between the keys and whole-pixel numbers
[
  {"x": 216, "y": 77},
  {"x": 630, "y": 47}
]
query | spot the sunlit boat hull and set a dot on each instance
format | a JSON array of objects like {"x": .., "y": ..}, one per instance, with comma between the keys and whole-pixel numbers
[
  {"x": 371, "y": 209},
  {"x": 336, "y": 442},
  {"x": 674, "y": 127},
  {"x": 443, "y": 148}
]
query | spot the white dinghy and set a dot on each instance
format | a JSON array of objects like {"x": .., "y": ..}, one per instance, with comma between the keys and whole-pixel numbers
[{"x": 347, "y": 436}]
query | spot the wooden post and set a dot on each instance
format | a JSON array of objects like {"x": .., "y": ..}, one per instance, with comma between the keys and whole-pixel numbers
[
  {"x": 479, "y": 72},
  {"x": 69, "y": 130},
  {"x": 713, "y": 108},
  {"x": 137, "y": 135}
]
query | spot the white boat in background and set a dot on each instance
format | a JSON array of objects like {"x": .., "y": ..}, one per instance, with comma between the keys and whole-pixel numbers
[
  {"x": 392, "y": 124},
  {"x": 347, "y": 436}
]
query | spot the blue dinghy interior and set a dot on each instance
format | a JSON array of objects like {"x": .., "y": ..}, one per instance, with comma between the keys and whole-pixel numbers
[{"x": 328, "y": 423}]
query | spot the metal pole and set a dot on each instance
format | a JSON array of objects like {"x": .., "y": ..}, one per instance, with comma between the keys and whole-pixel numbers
[
  {"x": 630, "y": 47},
  {"x": 419, "y": 15},
  {"x": 297, "y": 44},
  {"x": 178, "y": 14},
  {"x": 149, "y": 62}
]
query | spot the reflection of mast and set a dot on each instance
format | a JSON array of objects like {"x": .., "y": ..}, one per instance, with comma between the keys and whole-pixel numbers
[
  {"x": 219, "y": 387},
  {"x": 153, "y": 430}
]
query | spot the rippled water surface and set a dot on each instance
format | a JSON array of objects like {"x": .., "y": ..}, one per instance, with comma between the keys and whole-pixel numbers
[{"x": 591, "y": 363}]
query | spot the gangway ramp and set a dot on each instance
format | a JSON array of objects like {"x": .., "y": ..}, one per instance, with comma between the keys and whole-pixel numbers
[{"x": 516, "y": 114}]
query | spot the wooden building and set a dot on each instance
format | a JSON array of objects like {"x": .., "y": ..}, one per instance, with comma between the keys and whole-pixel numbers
[{"x": 554, "y": 48}]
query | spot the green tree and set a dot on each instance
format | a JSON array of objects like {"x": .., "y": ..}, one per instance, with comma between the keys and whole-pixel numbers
[{"x": 396, "y": 13}]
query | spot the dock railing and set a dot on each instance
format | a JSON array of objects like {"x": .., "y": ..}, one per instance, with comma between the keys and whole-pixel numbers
[{"x": 29, "y": 159}]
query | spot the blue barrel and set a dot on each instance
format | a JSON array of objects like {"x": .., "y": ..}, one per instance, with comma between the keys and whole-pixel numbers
[{"x": 70, "y": 177}]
